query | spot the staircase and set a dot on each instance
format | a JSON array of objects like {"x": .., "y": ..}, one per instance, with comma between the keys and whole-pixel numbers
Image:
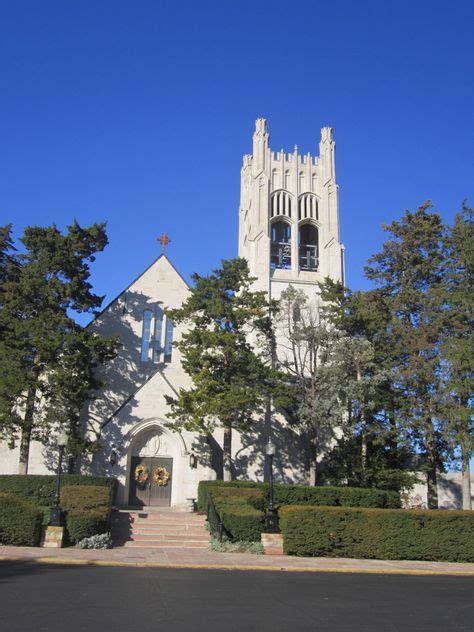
[{"x": 159, "y": 529}]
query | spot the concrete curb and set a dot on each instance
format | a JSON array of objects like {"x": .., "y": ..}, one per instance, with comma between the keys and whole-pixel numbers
[{"x": 238, "y": 567}]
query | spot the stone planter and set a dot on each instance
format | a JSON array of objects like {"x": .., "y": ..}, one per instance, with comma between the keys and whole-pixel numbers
[
  {"x": 52, "y": 537},
  {"x": 272, "y": 543}
]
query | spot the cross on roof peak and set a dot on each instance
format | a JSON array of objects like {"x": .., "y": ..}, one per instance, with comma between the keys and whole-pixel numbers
[{"x": 164, "y": 241}]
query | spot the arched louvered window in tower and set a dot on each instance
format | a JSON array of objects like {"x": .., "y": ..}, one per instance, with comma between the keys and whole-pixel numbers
[
  {"x": 146, "y": 334},
  {"x": 308, "y": 247},
  {"x": 280, "y": 253},
  {"x": 281, "y": 203},
  {"x": 307, "y": 207}
]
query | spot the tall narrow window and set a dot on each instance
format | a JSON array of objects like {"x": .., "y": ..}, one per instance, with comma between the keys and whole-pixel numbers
[
  {"x": 157, "y": 335},
  {"x": 146, "y": 332},
  {"x": 168, "y": 340},
  {"x": 308, "y": 247},
  {"x": 281, "y": 245}
]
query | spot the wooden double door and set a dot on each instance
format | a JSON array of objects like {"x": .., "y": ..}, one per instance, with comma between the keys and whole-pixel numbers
[{"x": 149, "y": 492}]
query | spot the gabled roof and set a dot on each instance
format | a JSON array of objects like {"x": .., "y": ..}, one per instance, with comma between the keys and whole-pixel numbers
[{"x": 110, "y": 303}]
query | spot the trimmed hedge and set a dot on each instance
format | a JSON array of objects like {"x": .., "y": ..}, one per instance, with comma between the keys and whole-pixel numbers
[
  {"x": 40, "y": 489},
  {"x": 204, "y": 485},
  {"x": 393, "y": 534},
  {"x": 85, "y": 498},
  {"x": 20, "y": 521},
  {"x": 241, "y": 512},
  {"x": 238, "y": 497},
  {"x": 84, "y": 524},
  {"x": 336, "y": 496},
  {"x": 306, "y": 495},
  {"x": 243, "y": 523},
  {"x": 87, "y": 510}
]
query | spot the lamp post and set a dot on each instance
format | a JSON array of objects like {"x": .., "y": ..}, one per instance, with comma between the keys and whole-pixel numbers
[
  {"x": 271, "y": 518},
  {"x": 55, "y": 517}
]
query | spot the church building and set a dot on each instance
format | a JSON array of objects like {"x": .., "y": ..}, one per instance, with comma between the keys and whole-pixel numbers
[{"x": 289, "y": 234}]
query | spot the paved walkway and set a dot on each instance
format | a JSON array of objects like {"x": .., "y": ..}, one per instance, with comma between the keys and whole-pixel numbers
[{"x": 192, "y": 558}]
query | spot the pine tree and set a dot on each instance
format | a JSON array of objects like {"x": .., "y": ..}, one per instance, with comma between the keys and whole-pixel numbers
[
  {"x": 408, "y": 271},
  {"x": 231, "y": 379},
  {"x": 47, "y": 281},
  {"x": 372, "y": 450},
  {"x": 458, "y": 341},
  {"x": 73, "y": 381}
]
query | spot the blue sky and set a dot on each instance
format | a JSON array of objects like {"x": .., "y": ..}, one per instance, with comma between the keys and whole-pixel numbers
[{"x": 138, "y": 114}]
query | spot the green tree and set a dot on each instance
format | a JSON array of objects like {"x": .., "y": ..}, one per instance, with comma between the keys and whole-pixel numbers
[
  {"x": 231, "y": 379},
  {"x": 8, "y": 262},
  {"x": 311, "y": 353},
  {"x": 458, "y": 341},
  {"x": 10, "y": 359},
  {"x": 372, "y": 450},
  {"x": 73, "y": 381},
  {"x": 48, "y": 281},
  {"x": 409, "y": 272}
]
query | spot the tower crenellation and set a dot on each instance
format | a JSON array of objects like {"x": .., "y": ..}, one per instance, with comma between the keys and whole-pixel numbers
[{"x": 289, "y": 214}]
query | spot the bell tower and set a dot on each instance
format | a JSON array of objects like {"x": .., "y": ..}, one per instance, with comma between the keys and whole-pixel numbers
[{"x": 289, "y": 215}]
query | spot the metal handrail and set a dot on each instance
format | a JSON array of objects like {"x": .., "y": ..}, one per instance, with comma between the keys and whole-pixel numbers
[{"x": 215, "y": 522}]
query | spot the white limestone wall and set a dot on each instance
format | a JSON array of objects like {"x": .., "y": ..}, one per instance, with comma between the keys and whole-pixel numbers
[
  {"x": 272, "y": 186},
  {"x": 41, "y": 459},
  {"x": 449, "y": 491}
]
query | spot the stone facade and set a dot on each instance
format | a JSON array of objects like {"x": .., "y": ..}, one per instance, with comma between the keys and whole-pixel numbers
[
  {"x": 289, "y": 233},
  {"x": 290, "y": 192}
]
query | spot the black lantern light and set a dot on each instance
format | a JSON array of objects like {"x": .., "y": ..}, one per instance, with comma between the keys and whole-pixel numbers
[{"x": 113, "y": 455}]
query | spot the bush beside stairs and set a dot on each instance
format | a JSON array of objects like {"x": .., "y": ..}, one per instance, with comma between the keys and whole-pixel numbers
[{"x": 159, "y": 529}]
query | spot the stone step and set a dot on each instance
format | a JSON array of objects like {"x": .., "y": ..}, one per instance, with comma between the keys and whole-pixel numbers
[
  {"x": 139, "y": 537},
  {"x": 168, "y": 532},
  {"x": 159, "y": 529},
  {"x": 157, "y": 523},
  {"x": 156, "y": 544},
  {"x": 177, "y": 523},
  {"x": 161, "y": 518},
  {"x": 182, "y": 528},
  {"x": 180, "y": 520},
  {"x": 162, "y": 528}
]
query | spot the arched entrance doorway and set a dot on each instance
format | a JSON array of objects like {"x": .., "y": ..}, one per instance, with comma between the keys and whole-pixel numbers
[{"x": 151, "y": 470}]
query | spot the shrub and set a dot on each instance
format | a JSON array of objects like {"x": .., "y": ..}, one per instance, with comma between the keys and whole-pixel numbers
[
  {"x": 240, "y": 511},
  {"x": 242, "y": 523},
  {"x": 87, "y": 510},
  {"x": 84, "y": 497},
  {"x": 204, "y": 485},
  {"x": 100, "y": 541},
  {"x": 20, "y": 521},
  {"x": 231, "y": 496},
  {"x": 226, "y": 546},
  {"x": 306, "y": 495},
  {"x": 335, "y": 496},
  {"x": 84, "y": 524},
  {"x": 394, "y": 534},
  {"x": 41, "y": 489}
]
